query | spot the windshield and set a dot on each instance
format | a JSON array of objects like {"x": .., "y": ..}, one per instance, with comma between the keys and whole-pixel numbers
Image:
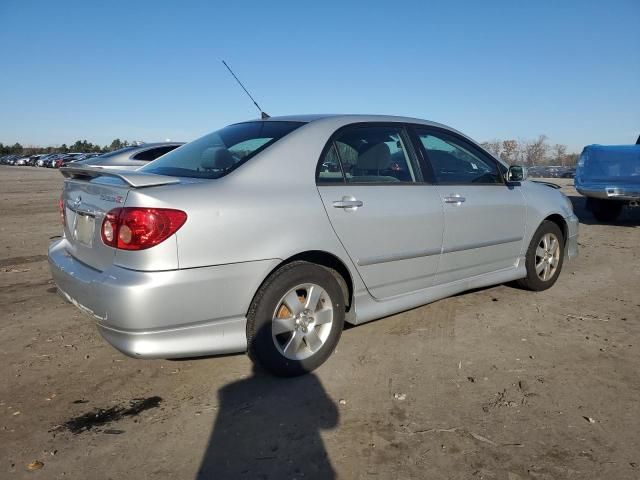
[{"x": 216, "y": 154}]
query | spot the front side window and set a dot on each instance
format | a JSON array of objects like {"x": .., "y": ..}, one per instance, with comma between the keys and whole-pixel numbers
[
  {"x": 455, "y": 162},
  {"x": 220, "y": 152},
  {"x": 369, "y": 154}
]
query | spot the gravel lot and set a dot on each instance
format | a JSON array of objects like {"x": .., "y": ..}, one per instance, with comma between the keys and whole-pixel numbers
[{"x": 497, "y": 383}]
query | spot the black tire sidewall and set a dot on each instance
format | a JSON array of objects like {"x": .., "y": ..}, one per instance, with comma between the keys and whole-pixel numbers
[
  {"x": 533, "y": 281},
  {"x": 261, "y": 347}
]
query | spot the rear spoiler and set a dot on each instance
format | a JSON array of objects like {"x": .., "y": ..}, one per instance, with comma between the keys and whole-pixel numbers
[{"x": 132, "y": 178}]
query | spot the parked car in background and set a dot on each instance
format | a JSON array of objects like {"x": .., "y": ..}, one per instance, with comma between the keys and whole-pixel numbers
[
  {"x": 251, "y": 238},
  {"x": 21, "y": 161},
  {"x": 568, "y": 172},
  {"x": 535, "y": 171},
  {"x": 54, "y": 159},
  {"x": 50, "y": 161},
  {"x": 8, "y": 159},
  {"x": 86, "y": 156},
  {"x": 43, "y": 159},
  {"x": 609, "y": 176},
  {"x": 66, "y": 159},
  {"x": 132, "y": 157},
  {"x": 34, "y": 159}
]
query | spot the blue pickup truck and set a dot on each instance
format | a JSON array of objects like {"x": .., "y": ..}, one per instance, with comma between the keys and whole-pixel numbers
[{"x": 609, "y": 176}]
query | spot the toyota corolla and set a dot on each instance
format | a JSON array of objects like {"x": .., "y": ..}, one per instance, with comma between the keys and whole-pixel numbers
[{"x": 266, "y": 236}]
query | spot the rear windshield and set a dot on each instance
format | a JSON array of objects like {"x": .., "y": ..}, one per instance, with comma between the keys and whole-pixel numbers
[{"x": 216, "y": 154}]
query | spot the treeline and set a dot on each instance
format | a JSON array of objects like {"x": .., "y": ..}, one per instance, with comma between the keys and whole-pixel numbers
[
  {"x": 531, "y": 152},
  {"x": 81, "y": 146}
]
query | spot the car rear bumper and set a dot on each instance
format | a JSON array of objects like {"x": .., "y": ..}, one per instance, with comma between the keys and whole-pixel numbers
[
  {"x": 166, "y": 314},
  {"x": 610, "y": 192}
]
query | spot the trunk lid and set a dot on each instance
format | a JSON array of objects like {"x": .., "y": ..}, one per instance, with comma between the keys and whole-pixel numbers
[{"x": 87, "y": 196}]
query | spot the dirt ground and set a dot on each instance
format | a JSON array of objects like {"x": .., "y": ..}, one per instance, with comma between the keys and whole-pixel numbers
[{"x": 498, "y": 383}]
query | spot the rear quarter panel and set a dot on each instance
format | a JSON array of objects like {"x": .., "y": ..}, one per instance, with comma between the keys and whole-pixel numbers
[{"x": 269, "y": 208}]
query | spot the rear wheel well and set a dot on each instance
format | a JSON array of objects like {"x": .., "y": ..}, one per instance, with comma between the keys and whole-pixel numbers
[
  {"x": 333, "y": 263},
  {"x": 562, "y": 225},
  {"x": 329, "y": 261}
]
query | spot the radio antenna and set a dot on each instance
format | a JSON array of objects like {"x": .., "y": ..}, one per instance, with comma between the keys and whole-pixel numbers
[{"x": 263, "y": 115}]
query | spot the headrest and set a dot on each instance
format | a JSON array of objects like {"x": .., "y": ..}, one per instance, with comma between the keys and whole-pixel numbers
[
  {"x": 216, "y": 158},
  {"x": 375, "y": 158}
]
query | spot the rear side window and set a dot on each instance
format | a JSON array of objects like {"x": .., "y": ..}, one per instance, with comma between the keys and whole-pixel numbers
[
  {"x": 330, "y": 170},
  {"x": 369, "y": 154},
  {"x": 220, "y": 152},
  {"x": 153, "y": 153},
  {"x": 456, "y": 162}
]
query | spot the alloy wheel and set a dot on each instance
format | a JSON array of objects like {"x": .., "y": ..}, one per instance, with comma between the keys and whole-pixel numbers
[
  {"x": 302, "y": 321},
  {"x": 547, "y": 257}
]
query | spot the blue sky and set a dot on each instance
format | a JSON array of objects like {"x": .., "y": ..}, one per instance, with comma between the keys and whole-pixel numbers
[{"x": 151, "y": 70}]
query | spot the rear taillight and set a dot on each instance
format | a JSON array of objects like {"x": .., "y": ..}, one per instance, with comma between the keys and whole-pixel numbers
[
  {"x": 134, "y": 228},
  {"x": 61, "y": 210}
]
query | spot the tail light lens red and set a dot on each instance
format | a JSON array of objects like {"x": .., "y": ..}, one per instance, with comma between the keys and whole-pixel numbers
[{"x": 135, "y": 228}]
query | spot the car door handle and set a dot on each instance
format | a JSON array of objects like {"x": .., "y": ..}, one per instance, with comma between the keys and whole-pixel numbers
[
  {"x": 347, "y": 202},
  {"x": 454, "y": 198}
]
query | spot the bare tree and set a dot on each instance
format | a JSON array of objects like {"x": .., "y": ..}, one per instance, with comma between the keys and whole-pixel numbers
[
  {"x": 572, "y": 159},
  {"x": 493, "y": 147},
  {"x": 559, "y": 154},
  {"x": 536, "y": 151},
  {"x": 510, "y": 151},
  {"x": 531, "y": 152}
]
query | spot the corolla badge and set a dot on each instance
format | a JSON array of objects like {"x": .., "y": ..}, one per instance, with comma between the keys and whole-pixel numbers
[
  {"x": 77, "y": 202},
  {"x": 111, "y": 198}
]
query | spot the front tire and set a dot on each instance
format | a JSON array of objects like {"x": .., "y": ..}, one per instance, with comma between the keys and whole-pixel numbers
[
  {"x": 544, "y": 258},
  {"x": 296, "y": 319}
]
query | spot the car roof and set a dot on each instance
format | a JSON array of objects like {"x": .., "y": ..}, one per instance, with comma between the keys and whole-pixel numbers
[
  {"x": 614, "y": 148},
  {"x": 350, "y": 118},
  {"x": 342, "y": 119}
]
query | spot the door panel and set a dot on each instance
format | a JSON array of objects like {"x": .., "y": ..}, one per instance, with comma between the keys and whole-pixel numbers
[
  {"x": 389, "y": 222},
  {"x": 484, "y": 218},
  {"x": 394, "y": 238},
  {"x": 482, "y": 234}
]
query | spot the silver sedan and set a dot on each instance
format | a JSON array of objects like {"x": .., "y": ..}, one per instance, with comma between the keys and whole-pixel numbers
[{"x": 268, "y": 235}]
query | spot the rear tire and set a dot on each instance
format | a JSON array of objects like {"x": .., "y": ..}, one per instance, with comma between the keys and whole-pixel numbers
[
  {"x": 544, "y": 258},
  {"x": 604, "y": 210},
  {"x": 296, "y": 319}
]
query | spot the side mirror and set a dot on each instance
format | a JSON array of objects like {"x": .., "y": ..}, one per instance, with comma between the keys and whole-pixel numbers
[{"x": 516, "y": 173}]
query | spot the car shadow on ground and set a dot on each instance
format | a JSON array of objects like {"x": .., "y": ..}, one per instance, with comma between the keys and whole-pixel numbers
[
  {"x": 269, "y": 428},
  {"x": 630, "y": 217}
]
